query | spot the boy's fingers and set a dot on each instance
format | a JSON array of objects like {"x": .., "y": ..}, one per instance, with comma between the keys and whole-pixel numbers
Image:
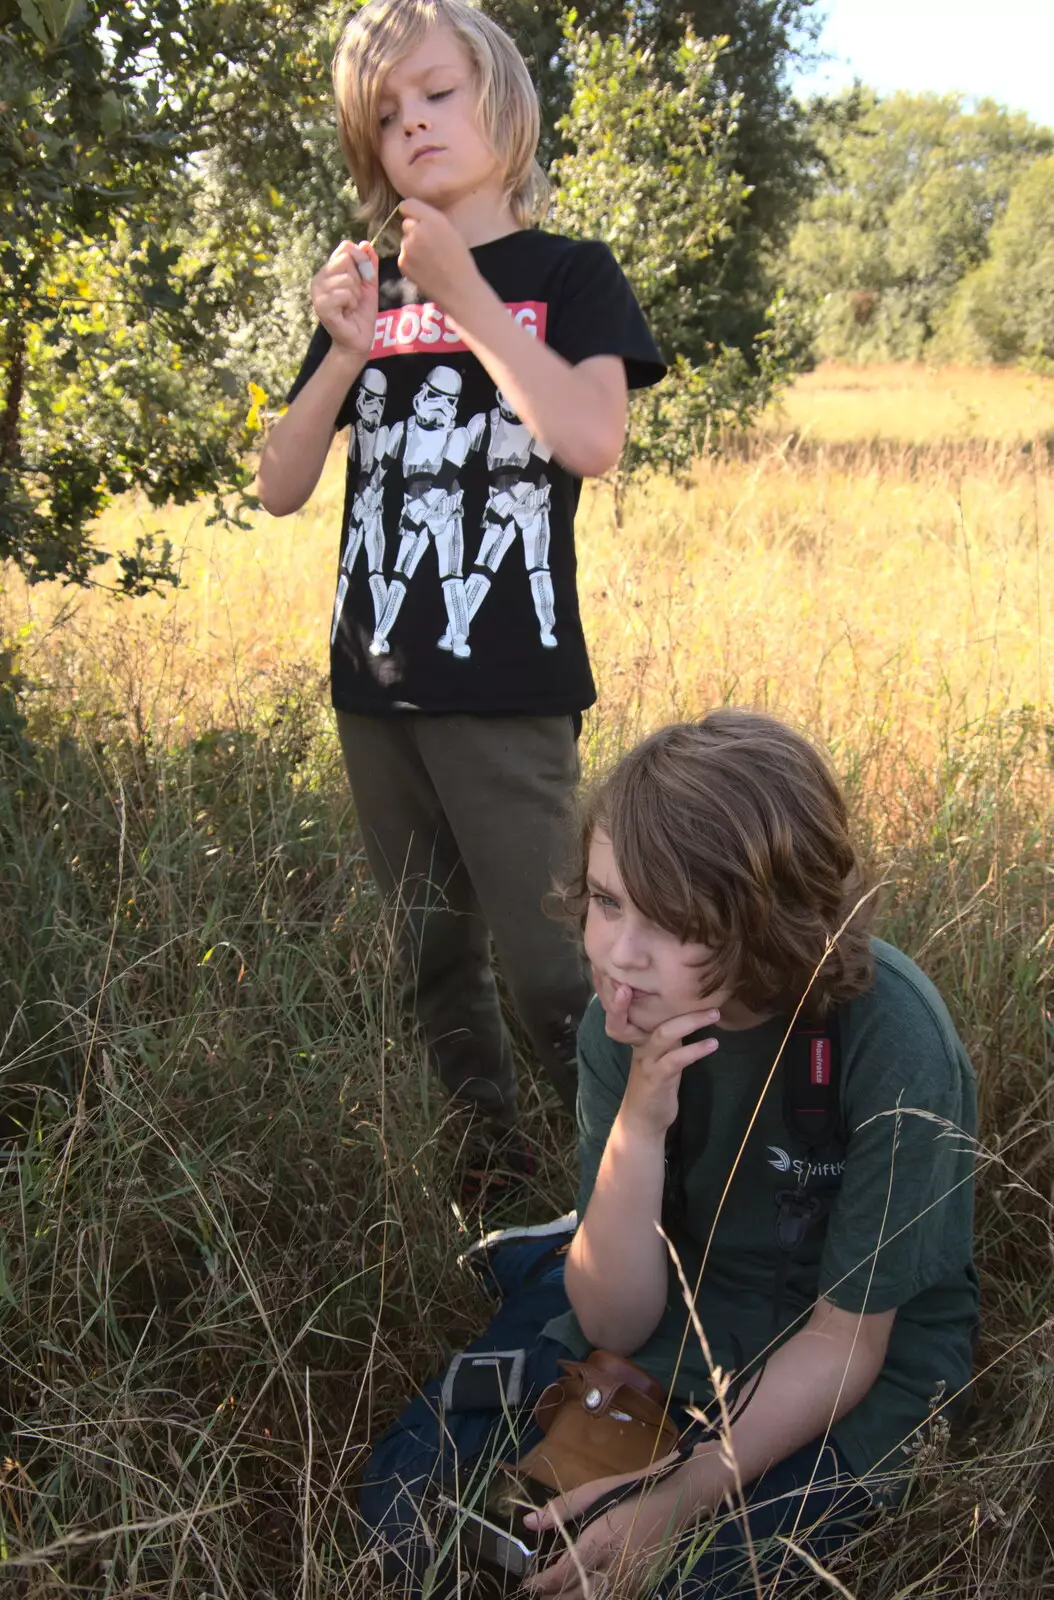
[
  {"x": 674, "y": 1031},
  {"x": 552, "y": 1579},
  {"x": 564, "y": 1507},
  {"x": 365, "y": 259},
  {"x": 690, "y": 1053},
  {"x": 415, "y": 211},
  {"x": 342, "y": 285},
  {"x": 545, "y": 1517},
  {"x": 351, "y": 262},
  {"x": 342, "y": 300},
  {"x": 621, "y": 1000}
]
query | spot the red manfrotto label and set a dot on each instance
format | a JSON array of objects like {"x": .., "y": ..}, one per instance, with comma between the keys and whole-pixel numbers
[
  {"x": 413, "y": 330},
  {"x": 821, "y": 1061}
]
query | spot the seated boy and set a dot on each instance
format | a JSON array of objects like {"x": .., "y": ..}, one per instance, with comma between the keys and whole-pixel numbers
[{"x": 777, "y": 1123}]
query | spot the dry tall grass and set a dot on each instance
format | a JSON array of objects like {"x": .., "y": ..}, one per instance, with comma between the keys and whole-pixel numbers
[
  {"x": 226, "y": 1245},
  {"x": 867, "y": 579}
]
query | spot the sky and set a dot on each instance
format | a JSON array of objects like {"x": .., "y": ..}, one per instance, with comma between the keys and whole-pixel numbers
[{"x": 1003, "y": 49}]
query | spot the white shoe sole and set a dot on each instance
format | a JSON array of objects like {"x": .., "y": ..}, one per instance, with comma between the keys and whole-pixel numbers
[{"x": 541, "y": 1230}]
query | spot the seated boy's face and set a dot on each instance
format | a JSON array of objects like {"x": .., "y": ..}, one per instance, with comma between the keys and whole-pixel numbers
[{"x": 627, "y": 952}]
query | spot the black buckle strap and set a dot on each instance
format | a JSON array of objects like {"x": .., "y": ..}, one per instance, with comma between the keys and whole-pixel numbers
[
  {"x": 484, "y": 1380},
  {"x": 795, "y": 1214}
]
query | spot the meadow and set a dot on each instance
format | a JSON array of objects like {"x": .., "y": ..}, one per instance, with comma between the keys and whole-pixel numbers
[{"x": 228, "y": 1229}]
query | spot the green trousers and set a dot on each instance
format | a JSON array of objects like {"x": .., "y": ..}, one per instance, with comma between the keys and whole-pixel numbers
[{"x": 465, "y": 822}]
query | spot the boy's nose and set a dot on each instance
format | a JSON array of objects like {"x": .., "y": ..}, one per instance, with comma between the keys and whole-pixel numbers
[{"x": 626, "y": 953}]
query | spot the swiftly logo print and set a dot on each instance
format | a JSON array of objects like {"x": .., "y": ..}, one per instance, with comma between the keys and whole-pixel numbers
[{"x": 804, "y": 1171}]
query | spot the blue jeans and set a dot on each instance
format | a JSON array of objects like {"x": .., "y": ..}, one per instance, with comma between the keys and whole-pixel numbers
[{"x": 811, "y": 1497}]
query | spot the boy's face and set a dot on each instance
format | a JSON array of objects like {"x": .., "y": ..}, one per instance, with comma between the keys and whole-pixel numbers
[
  {"x": 429, "y": 140},
  {"x": 626, "y": 950}
]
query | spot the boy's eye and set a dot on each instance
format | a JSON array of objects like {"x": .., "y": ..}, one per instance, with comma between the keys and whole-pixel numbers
[
  {"x": 604, "y": 902},
  {"x": 387, "y": 117},
  {"x": 440, "y": 94}
]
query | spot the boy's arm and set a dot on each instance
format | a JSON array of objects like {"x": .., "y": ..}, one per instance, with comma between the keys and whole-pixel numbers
[
  {"x": 807, "y": 1385},
  {"x": 292, "y": 459},
  {"x": 616, "y": 1269},
  {"x": 809, "y": 1382},
  {"x": 579, "y": 411},
  {"x": 616, "y": 1274},
  {"x": 344, "y": 296}
]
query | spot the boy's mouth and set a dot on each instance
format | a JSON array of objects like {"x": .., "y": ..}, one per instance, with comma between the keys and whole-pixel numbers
[
  {"x": 635, "y": 993},
  {"x": 425, "y": 150}
]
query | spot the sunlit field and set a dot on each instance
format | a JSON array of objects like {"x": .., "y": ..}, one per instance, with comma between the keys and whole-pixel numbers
[
  {"x": 916, "y": 404},
  {"x": 878, "y": 592},
  {"x": 228, "y": 1229}
]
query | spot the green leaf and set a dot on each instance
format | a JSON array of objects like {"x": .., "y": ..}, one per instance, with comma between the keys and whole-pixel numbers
[
  {"x": 111, "y": 113},
  {"x": 32, "y": 18}
]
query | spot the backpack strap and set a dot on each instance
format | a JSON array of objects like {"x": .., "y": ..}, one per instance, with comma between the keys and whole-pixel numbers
[
  {"x": 812, "y": 1113},
  {"x": 812, "y": 1082}
]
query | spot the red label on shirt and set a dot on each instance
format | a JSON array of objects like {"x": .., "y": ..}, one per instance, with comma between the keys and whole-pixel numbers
[
  {"x": 821, "y": 1061},
  {"x": 424, "y": 329}
]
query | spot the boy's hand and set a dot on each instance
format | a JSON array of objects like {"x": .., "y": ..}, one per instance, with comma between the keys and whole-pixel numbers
[
  {"x": 571, "y": 1507},
  {"x": 659, "y": 1058},
  {"x": 616, "y": 999},
  {"x": 344, "y": 295},
  {"x": 436, "y": 257},
  {"x": 616, "y": 1545}
]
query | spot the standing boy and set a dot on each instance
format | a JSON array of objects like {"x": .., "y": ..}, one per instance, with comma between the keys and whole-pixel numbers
[{"x": 457, "y": 711}]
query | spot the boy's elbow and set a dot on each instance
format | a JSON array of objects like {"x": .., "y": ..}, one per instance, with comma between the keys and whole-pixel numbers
[
  {"x": 599, "y": 464},
  {"x": 614, "y": 1333},
  {"x": 604, "y": 1337},
  {"x": 596, "y": 455},
  {"x": 274, "y": 502},
  {"x": 620, "y": 1329}
]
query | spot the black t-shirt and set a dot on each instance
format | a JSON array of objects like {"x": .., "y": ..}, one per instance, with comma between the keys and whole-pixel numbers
[{"x": 457, "y": 581}]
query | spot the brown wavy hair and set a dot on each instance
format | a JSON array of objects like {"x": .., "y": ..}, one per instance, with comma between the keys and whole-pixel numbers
[
  {"x": 732, "y": 832},
  {"x": 378, "y": 36}
]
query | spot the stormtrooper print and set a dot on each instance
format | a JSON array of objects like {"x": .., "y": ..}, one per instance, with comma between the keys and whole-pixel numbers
[
  {"x": 365, "y": 528},
  {"x": 369, "y": 404},
  {"x": 430, "y": 448},
  {"x": 515, "y": 505},
  {"x": 365, "y": 524}
]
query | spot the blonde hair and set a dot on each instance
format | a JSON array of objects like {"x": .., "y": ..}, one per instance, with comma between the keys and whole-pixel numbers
[
  {"x": 384, "y": 31},
  {"x": 732, "y": 832}
]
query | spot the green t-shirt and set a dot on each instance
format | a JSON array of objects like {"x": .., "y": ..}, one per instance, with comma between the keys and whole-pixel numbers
[{"x": 898, "y": 1230}]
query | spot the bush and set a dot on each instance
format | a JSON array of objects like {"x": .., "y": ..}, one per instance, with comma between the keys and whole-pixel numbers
[{"x": 1004, "y": 311}]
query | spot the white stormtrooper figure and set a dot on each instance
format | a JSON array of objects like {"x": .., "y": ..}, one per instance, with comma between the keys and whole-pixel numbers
[
  {"x": 431, "y": 448},
  {"x": 511, "y": 441},
  {"x": 368, "y": 433},
  {"x": 515, "y": 506},
  {"x": 365, "y": 527}
]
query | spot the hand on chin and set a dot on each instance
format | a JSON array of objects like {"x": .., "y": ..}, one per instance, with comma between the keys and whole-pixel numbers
[{"x": 616, "y": 999}]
